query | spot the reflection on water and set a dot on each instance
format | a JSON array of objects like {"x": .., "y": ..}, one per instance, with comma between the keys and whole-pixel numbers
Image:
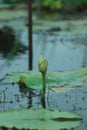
[
  {"x": 63, "y": 53},
  {"x": 9, "y": 44},
  {"x": 85, "y": 57},
  {"x": 12, "y": 98},
  {"x": 75, "y": 100}
]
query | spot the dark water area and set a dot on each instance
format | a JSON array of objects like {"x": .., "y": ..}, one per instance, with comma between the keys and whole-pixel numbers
[{"x": 63, "y": 53}]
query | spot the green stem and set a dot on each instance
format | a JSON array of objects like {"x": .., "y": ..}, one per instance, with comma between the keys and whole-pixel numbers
[{"x": 43, "y": 91}]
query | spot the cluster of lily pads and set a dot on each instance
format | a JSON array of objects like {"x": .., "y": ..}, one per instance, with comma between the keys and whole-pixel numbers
[{"x": 43, "y": 118}]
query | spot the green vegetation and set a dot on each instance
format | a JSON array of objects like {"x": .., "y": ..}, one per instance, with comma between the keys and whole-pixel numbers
[
  {"x": 74, "y": 5},
  {"x": 39, "y": 119},
  {"x": 50, "y": 4},
  {"x": 62, "y": 5},
  {"x": 42, "y": 66},
  {"x": 12, "y": 1},
  {"x": 66, "y": 5},
  {"x": 67, "y": 79}
]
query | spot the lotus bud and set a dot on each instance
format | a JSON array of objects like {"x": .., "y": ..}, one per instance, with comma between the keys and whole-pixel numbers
[{"x": 42, "y": 64}]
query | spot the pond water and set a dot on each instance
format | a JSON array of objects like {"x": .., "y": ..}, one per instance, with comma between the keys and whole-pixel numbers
[{"x": 63, "y": 52}]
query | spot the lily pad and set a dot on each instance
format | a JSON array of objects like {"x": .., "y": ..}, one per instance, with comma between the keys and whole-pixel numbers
[
  {"x": 67, "y": 79},
  {"x": 39, "y": 119},
  {"x": 31, "y": 79}
]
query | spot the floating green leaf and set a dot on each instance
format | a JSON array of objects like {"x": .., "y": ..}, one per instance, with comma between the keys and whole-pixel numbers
[
  {"x": 39, "y": 119},
  {"x": 31, "y": 79},
  {"x": 65, "y": 79}
]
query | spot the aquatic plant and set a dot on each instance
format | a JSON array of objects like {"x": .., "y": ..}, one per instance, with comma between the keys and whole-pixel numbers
[
  {"x": 54, "y": 80},
  {"x": 39, "y": 119},
  {"x": 42, "y": 66}
]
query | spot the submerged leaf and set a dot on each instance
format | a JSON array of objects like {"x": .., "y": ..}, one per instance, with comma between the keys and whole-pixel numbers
[
  {"x": 39, "y": 119},
  {"x": 65, "y": 79}
]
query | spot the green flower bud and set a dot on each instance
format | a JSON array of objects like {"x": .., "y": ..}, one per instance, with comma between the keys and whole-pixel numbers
[{"x": 42, "y": 64}]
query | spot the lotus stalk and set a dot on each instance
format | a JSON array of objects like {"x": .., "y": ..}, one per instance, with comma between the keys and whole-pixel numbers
[{"x": 42, "y": 66}]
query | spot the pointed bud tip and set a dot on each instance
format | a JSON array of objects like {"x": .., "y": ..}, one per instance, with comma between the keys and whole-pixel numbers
[{"x": 42, "y": 64}]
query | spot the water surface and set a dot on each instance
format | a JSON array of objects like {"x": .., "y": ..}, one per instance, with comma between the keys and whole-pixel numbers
[{"x": 63, "y": 52}]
